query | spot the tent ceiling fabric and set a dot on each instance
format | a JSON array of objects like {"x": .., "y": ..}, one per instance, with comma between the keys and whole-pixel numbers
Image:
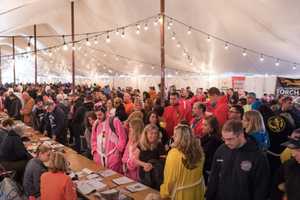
[{"x": 268, "y": 26}]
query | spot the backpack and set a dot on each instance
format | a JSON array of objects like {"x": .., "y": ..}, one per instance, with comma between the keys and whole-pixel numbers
[{"x": 9, "y": 190}]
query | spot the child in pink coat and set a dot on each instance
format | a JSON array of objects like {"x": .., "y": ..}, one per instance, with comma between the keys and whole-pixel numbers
[
  {"x": 107, "y": 145},
  {"x": 131, "y": 154}
]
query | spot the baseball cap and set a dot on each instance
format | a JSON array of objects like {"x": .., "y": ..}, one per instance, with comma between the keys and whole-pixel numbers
[{"x": 292, "y": 144}]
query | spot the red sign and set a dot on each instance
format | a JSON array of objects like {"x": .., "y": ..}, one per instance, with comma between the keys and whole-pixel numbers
[{"x": 238, "y": 82}]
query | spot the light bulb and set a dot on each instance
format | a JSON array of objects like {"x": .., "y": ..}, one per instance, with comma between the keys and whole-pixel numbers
[
  {"x": 96, "y": 40},
  {"x": 178, "y": 45},
  {"x": 123, "y": 33},
  {"x": 277, "y": 62},
  {"x": 88, "y": 43},
  {"x": 138, "y": 29},
  {"x": 107, "y": 39},
  {"x": 117, "y": 32},
  {"x": 65, "y": 47},
  {"x": 155, "y": 22},
  {"x": 261, "y": 58},
  {"x": 244, "y": 53},
  {"x": 146, "y": 27},
  {"x": 226, "y": 46},
  {"x": 173, "y": 37},
  {"x": 208, "y": 38},
  {"x": 189, "y": 31}
]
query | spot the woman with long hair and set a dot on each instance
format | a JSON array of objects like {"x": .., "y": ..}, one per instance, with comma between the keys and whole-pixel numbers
[
  {"x": 183, "y": 177},
  {"x": 131, "y": 153},
  {"x": 151, "y": 154},
  {"x": 254, "y": 126}
]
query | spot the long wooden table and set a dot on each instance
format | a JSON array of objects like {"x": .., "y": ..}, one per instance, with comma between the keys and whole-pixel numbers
[{"x": 79, "y": 162}]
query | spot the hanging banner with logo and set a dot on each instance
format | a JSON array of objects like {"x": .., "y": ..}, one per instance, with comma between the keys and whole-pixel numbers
[
  {"x": 287, "y": 86},
  {"x": 238, "y": 82}
]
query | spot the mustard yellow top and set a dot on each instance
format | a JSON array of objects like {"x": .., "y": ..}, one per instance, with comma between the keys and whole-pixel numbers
[
  {"x": 285, "y": 155},
  {"x": 176, "y": 175}
]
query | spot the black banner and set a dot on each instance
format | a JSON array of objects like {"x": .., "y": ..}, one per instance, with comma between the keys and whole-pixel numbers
[{"x": 287, "y": 86}]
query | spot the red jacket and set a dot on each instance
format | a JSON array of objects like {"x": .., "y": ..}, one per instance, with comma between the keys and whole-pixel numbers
[
  {"x": 220, "y": 111},
  {"x": 197, "y": 127},
  {"x": 174, "y": 114},
  {"x": 199, "y": 98}
]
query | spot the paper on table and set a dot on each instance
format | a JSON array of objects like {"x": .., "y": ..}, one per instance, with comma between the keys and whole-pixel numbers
[
  {"x": 107, "y": 173},
  {"x": 85, "y": 188},
  {"x": 136, "y": 187},
  {"x": 88, "y": 186},
  {"x": 122, "y": 180},
  {"x": 44, "y": 138},
  {"x": 87, "y": 171},
  {"x": 92, "y": 176}
]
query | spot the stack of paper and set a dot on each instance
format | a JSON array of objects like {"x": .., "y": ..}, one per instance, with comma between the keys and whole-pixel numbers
[
  {"x": 88, "y": 186},
  {"x": 107, "y": 173},
  {"x": 136, "y": 187},
  {"x": 122, "y": 180}
]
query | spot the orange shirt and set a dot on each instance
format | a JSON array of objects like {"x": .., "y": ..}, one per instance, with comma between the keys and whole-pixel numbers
[
  {"x": 57, "y": 186},
  {"x": 128, "y": 108}
]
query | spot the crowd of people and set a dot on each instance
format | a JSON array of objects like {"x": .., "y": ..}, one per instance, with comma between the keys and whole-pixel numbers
[{"x": 211, "y": 144}]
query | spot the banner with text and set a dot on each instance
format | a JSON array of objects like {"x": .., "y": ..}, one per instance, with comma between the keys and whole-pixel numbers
[
  {"x": 238, "y": 82},
  {"x": 287, "y": 86}
]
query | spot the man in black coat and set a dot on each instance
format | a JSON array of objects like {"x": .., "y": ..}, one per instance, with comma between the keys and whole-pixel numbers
[
  {"x": 240, "y": 171},
  {"x": 13, "y": 106},
  {"x": 78, "y": 120},
  {"x": 56, "y": 122}
]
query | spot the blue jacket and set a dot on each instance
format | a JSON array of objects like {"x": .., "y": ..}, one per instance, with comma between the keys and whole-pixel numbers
[{"x": 262, "y": 139}]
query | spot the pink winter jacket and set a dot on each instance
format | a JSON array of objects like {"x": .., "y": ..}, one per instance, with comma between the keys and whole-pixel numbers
[
  {"x": 114, "y": 143},
  {"x": 130, "y": 156}
]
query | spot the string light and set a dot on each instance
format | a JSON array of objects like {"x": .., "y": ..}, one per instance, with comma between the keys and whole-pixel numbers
[
  {"x": 244, "y": 53},
  {"x": 138, "y": 29},
  {"x": 262, "y": 58},
  {"x": 156, "y": 22},
  {"x": 65, "y": 47},
  {"x": 123, "y": 33},
  {"x": 88, "y": 43},
  {"x": 277, "y": 62},
  {"x": 226, "y": 46},
  {"x": 295, "y": 66},
  {"x": 146, "y": 27},
  {"x": 189, "y": 32},
  {"x": 178, "y": 44},
  {"x": 28, "y": 45},
  {"x": 208, "y": 38},
  {"x": 173, "y": 36},
  {"x": 117, "y": 32},
  {"x": 107, "y": 38},
  {"x": 96, "y": 41}
]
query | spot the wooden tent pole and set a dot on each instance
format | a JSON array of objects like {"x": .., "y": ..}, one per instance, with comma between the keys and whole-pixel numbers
[
  {"x": 35, "y": 54},
  {"x": 73, "y": 45},
  {"x": 14, "y": 61},
  {"x": 0, "y": 67},
  {"x": 162, "y": 51}
]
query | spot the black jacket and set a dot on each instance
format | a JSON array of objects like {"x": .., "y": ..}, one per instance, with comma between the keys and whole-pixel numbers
[
  {"x": 81, "y": 111},
  {"x": 38, "y": 119},
  {"x": 56, "y": 120},
  {"x": 12, "y": 148},
  {"x": 210, "y": 144},
  {"x": 239, "y": 174},
  {"x": 289, "y": 175},
  {"x": 13, "y": 106}
]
